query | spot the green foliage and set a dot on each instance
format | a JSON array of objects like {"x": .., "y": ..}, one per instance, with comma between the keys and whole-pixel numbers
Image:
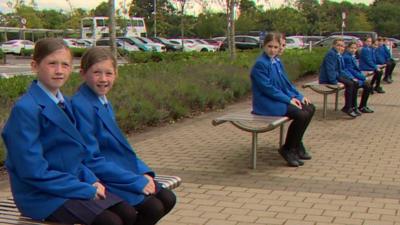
[{"x": 1, "y": 55}]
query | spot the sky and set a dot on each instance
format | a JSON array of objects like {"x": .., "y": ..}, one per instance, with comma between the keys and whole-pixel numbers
[{"x": 90, "y": 4}]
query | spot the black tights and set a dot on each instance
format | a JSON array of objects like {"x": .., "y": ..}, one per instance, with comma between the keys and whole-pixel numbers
[
  {"x": 301, "y": 118},
  {"x": 154, "y": 207},
  {"x": 119, "y": 214}
]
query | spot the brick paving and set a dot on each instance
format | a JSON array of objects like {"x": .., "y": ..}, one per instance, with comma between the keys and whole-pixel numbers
[{"x": 353, "y": 177}]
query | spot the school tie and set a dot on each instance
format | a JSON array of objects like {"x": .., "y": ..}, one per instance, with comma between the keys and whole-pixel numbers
[{"x": 65, "y": 110}]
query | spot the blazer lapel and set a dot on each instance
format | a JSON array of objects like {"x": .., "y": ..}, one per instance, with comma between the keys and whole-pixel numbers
[
  {"x": 105, "y": 115},
  {"x": 54, "y": 113}
]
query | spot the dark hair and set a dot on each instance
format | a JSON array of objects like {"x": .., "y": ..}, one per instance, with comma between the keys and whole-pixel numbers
[
  {"x": 366, "y": 38},
  {"x": 351, "y": 43},
  {"x": 47, "y": 46},
  {"x": 272, "y": 36},
  {"x": 95, "y": 55},
  {"x": 336, "y": 40}
]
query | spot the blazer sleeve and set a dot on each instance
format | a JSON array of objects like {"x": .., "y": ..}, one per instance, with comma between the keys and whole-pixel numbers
[
  {"x": 261, "y": 78},
  {"x": 106, "y": 171},
  {"x": 25, "y": 153}
]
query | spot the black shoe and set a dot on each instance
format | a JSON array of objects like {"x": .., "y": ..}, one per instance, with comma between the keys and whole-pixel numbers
[
  {"x": 290, "y": 157},
  {"x": 365, "y": 109},
  {"x": 302, "y": 153},
  {"x": 357, "y": 112},
  {"x": 379, "y": 90},
  {"x": 349, "y": 112}
]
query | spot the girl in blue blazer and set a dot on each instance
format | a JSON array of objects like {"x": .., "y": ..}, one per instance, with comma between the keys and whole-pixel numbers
[
  {"x": 275, "y": 95},
  {"x": 352, "y": 68},
  {"x": 53, "y": 173},
  {"x": 368, "y": 63},
  {"x": 97, "y": 124},
  {"x": 384, "y": 52}
]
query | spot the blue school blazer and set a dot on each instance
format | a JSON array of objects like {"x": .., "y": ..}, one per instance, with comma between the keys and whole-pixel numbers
[
  {"x": 351, "y": 66},
  {"x": 100, "y": 131},
  {"x": 332, "y": 67},
  {"x": 272, "y": 91},
  {"x": 44, "y": 156},
  {"x": 368, "y": 59},
  {"x": 381, "y": 56}
]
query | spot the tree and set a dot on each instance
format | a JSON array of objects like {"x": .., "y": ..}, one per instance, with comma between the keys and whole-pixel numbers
[
  {"x": 101, "y": 10},
  {"x": 53, "y": 19},
  {"x": 385, "y": 17},
  {"x": 210, "y": 24},
  {"x": 112, "y": 27}
]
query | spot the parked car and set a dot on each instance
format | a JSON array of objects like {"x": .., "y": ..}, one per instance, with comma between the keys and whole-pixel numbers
[
  {"x": 73, "y": 43},
  {"x": 307, "y": 39},
  {"x": 360, "y": 34},
  {"x": 219, "y": 38},
  {"x": 327, "y": 42},
  {"x": 16, "y": 46},
  {"x": 120, "y": 45},
  {"x": 159, "y": 47},
  {"x": 243, "y": 42},
  {"x": 168, "y": 44},
  {"x": 215, "y": 43},
  {"x": 294, "y": 42},
  {"x": 190, "y": 45},
  {"x": 134, "y": 41},
  {"x": 395, "y": 42}
]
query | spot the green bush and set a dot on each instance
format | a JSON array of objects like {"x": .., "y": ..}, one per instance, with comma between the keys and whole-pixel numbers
[
  {"x": 26, "y": 52},
  {"x": 180, "y": 84}
]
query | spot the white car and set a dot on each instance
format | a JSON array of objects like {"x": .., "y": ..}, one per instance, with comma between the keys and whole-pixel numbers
[
  {"x": 294, "y": 42},
  {"x": 16, "y": 46},
  {"x": 190, "y": 45}
]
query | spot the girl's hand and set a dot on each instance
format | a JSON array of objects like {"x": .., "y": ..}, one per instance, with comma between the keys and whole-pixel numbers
[
  {"x": 296, "y": 103},
  {"x": 150, "y": 188},
  {"x": 100, "y": 191},
  {"x": 306, "y": 101}
]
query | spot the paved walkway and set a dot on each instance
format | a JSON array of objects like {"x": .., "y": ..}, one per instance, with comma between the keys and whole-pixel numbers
[{"x": 353, "y": 178}]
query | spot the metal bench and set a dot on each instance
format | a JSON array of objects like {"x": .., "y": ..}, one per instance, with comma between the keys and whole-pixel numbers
[
  {"x": 327, "y": 89},
  {"x": 9, "y": 213},
  {"x": 254, "y": 124}
]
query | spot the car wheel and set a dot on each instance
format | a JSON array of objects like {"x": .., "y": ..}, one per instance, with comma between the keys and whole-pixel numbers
[{"x": 204, "y": 50}]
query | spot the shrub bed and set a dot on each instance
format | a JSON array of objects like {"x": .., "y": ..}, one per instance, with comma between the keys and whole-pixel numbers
[{"x": 170, "y": 86}]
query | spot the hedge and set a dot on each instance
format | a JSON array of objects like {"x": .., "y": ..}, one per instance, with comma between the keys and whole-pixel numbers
[{"x": 173, "y": 87}]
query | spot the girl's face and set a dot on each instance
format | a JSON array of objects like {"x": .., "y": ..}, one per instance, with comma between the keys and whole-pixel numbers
[
  {"x": 368, "y": 42},
  {"x": 283, "y": 46},
  {"x": 54, "y": 70},
  {"x": 100, "y": 77},
  {"x": 272, "y": 48},
  {"x": 352, "y": 49}
]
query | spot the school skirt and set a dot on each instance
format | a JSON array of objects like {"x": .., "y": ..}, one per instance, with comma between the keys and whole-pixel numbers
[{"x": 83, "y": 211}]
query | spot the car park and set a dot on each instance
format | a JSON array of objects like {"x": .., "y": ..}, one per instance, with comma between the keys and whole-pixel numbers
[
  {"x": 17, "y": 46},
  {"x": 190, "y": 45},
  {"x": 214, "y": 43}
]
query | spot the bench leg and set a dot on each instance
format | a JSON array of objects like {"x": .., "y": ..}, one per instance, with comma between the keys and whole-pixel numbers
[
  {"x": 336, "y": 100},
  {"x": 282, "y": 135},
  {"x": 324, "y": 105},
  {"x": 254, "y": 150}
]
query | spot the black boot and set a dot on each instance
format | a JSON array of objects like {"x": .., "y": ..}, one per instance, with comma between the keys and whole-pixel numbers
[
  {"x": 303, "y": 153},
  {"x": 290, "y": 156}
]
